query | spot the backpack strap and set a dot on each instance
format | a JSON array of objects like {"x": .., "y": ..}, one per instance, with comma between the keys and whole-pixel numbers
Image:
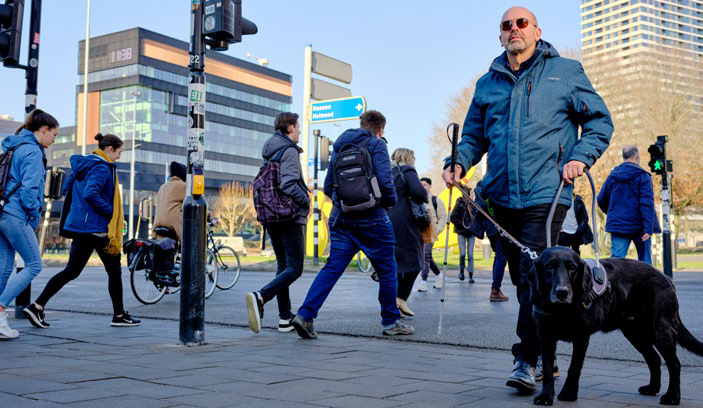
[
  {"x": 434, "y": 203},
  {"x": 19, "y": 183}
]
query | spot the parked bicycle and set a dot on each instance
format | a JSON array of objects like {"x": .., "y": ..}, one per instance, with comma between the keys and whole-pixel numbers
[{"x": 150, "y": 284}]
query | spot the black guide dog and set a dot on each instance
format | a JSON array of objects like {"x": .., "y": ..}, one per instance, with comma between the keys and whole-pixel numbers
[{"x": 640, "y": 301}]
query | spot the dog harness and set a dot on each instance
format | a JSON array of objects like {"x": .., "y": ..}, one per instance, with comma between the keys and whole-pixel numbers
[{"x": 599, "y": 280}]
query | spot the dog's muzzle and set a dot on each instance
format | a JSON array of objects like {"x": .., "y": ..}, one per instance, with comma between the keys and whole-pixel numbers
[{"x": 561, "y": 294}]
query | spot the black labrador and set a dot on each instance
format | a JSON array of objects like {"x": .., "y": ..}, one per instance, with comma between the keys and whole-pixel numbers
[{"x": 640, "y": 301}]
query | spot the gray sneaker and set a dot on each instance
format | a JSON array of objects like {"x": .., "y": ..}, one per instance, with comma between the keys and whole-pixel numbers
[
  {"x": 304, "y": 328},
  {"x": 522, "y": 378},
  {"x": 399, "y": 329},
  {"x": 539, "y": 374}
]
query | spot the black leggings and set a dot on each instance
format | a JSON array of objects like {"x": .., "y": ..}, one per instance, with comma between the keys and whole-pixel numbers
[{"x": 81, "y": 249}]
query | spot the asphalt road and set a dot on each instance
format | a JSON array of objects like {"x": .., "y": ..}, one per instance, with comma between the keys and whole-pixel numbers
[{"x": 352, "y": 309}]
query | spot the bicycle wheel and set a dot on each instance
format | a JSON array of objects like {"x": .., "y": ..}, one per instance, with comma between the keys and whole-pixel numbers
[
  {"x": 228, "y": 263},
  {"x": 211, "y": 271},
  {"x": 363, "y": 262},
  {"x": 144, "y": 289}
]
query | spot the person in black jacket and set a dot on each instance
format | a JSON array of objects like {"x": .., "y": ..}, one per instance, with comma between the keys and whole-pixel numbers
[
  {"x": 409, "y": 250},
  {"x": 461, "y": 218},
  {"x": 575, "y": 231}
]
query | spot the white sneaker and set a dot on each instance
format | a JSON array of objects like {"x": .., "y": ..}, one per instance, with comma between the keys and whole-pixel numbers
[
  {"x": 6, "y": 332},
  {"x": 438, "y": 282},
  {"x": 422, "y": 287}
]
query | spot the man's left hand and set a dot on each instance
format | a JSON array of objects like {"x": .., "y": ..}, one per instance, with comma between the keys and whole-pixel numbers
[{"x": 572, "y": 169}]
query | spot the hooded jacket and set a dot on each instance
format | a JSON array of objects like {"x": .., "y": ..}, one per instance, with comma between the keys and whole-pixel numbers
[
  {"x": 528, "y": 126},
  {"x": 627, "y": 198},
  {"x": 92, "y": 186},
  {"x": 292, "y": 182},
  {"x": 169, "y": 206},
  {"x": 381, "y": 167},
  {"x": 28, "y": 167}
]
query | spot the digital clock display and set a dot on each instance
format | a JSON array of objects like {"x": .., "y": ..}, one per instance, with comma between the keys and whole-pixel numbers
[{"x": 125, "y": 54}]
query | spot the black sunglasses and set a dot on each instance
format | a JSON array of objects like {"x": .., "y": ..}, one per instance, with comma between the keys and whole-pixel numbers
[{"x": 521, "y": 23}]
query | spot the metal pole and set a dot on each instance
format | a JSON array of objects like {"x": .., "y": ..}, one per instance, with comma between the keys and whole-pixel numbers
[
  {"x": 30, "y": 103},
  {"x": 316, "y": 214},
  {"x": 86, "y": 55},
  {"x": 454, "y": 139},
  {"x": 666, "y": 235},
  {"x": 192, "y": 310},
  {"x": 305, "y": 134},
  {"x": 131, "y": 166}
]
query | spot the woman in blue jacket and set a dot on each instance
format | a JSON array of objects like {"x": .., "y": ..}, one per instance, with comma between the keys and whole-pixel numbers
[
  {"x": 20, "y": 215},
  {"x": 94, "y": 221}
]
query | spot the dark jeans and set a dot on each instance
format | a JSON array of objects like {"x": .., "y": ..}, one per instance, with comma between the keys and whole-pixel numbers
[
  {"x": 289, "y": 245},
  {"x": 405, "y": 284},
  {"x": 499, "y": 262},
  {"x": 527, "y": 225},
  {"x": 375, "y": 237},
  {"x": 81, "y": 249},
  {"x": 570, "y": 241},
  {"x": 429, "y": 263}
]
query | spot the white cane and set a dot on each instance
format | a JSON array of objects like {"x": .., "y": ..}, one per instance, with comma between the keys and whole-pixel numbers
[{"x": 452, "y": 161}]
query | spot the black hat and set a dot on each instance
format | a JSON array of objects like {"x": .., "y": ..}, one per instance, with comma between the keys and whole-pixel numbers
[{"x": 178, "y": 170}]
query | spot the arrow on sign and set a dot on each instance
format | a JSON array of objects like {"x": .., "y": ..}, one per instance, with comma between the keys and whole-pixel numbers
[{"x": 359, "y": 107}]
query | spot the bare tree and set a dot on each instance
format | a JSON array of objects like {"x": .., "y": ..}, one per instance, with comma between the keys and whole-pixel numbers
[{"x": 234, "y": 207}]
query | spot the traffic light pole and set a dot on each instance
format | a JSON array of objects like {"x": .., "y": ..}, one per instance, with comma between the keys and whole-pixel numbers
[
  {"x": 30, "y": 103},
  {"x": 666, "y": 234},
  {"x": 315, "y": 211},
  {"x": 192, "y": 309}
]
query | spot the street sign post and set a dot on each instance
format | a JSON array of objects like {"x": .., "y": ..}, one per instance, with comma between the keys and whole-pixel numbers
[{"x": 334, "y": 110}]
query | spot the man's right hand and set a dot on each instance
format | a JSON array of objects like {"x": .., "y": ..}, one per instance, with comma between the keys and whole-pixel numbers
[
  {"x": 645, "y": 237},
  {"x": 458, "y": 169}
]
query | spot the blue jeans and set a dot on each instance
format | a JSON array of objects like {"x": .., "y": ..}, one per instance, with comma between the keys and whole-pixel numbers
[
  {"x": 375, "y": 237},
  {"x": 621, "y": 242},
  {"x": 499, "y": 262},
  {"x": 16, "y": 235},
  {"x": 466, "y": 249}
]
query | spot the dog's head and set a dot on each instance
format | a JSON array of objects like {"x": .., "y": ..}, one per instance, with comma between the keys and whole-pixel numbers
[{"x": 559, "y": 276}]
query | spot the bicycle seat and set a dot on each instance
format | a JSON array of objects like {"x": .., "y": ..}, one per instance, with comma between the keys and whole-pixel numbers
[{"x": 165, "y": 232}]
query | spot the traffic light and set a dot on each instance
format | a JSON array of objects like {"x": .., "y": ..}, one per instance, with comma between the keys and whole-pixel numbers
[
  {"x": 223, "y": 24},
  {"x": 325, "y": 152},
  {"x": 657, "y": 152},
  {"x": 54, "y": 183},
  {"x": 11, "y": 14}
]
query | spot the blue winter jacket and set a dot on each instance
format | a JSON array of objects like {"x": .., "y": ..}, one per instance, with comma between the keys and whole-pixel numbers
[
  {"x": 382, "y": 168},
  {"x": 524, "y": 123},
  {"x": 92, "y": 185},
  {"x": 28, "y": 167},
  {"x": 628, "y": 200}
]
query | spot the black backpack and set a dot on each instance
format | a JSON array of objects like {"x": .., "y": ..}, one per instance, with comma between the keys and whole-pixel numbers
[
  {"x": 354, "y": 178},
  {"x": 5, "y": 163}
]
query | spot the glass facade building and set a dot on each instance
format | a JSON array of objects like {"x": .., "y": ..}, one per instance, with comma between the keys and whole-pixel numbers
[{"x": 137, "y": 87}]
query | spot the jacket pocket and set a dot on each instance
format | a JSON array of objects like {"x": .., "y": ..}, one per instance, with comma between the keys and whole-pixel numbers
[{"x": 529, "y": 92}]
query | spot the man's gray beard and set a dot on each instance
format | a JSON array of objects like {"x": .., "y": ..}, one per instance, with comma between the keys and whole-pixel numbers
[{"x": 516, "y": 48}]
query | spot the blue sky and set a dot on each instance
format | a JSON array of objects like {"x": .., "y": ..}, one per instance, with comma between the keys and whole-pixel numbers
[{"x": 409, "y": 57}]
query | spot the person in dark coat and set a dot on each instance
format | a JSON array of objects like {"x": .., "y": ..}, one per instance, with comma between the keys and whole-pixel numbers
[
  {"x": 466, "y": 236},
  {"x": 627, "y": 198},
  {"x": 575, "y": 231},
  {"x": 409, "y": 249}
]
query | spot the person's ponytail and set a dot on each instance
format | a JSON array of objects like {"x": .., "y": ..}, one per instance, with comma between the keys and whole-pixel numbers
[
  {"x": 36, "y": 119},
  {"x": 108, "y": 140}
]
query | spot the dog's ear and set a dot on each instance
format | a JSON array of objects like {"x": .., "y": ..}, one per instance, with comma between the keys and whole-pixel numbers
[
  {"x": 586, "y": 278},
  {"x": 534, "y": 278}
]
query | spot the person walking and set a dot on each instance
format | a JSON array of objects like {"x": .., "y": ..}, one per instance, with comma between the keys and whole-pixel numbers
[
  {"x": 287, "y": 236},
  {"x": 461, "y": 219},
  {"x": 409, "y": 252},
  {"x": 95, "y": 222},
  {"x": 23, "y": 196},
  {"x": 364, "y": 227},
  {"x": 483, "y": 225},
  {"x": 627, "y": 197},
  {"x": 575, "y": 231},
  {"x": 525, "y": 115},
  {"x": 438, "y": 215}
]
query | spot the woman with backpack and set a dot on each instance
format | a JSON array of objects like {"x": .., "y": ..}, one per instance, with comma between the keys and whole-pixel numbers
[
  {"x": 94, "y": 222},
  {"x": 24, "y": 165},
  {"x": 283, "y": 213},
  {"x": 409, "y": 247}
]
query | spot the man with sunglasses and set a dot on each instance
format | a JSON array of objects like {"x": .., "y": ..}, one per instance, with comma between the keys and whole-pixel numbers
[{"x": 525, "y": 115}]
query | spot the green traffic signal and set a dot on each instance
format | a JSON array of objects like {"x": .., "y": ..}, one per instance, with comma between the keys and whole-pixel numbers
[{"x": 657, "y": 165}]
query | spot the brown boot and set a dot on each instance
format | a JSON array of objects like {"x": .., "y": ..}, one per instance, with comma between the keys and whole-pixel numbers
[{"x": 498, "y": 296}]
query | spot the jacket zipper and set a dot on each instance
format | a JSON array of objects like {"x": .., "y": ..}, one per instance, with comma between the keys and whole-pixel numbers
[{"x": 529, "y": 90}]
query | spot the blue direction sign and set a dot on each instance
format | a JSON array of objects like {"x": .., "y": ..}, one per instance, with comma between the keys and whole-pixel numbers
[{"x": 334, "y": 110}]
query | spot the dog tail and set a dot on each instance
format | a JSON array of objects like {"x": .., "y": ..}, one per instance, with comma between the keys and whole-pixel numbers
[{"x": 688, "y": 341}]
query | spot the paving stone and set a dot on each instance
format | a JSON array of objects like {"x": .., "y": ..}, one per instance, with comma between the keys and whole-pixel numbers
[
  {"x": 353, "y": 401},
  {"x": 74, "y": 395}
]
